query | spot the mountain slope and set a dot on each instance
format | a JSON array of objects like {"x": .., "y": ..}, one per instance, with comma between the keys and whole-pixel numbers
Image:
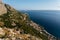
[{"x": 16, "y": 25}]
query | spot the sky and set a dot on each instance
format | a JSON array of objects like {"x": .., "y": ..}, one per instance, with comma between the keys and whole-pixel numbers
[{"x": 34, "y": 4}]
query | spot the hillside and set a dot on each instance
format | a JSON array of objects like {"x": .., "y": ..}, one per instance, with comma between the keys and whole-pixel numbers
[{"x": 15, "y": 25}]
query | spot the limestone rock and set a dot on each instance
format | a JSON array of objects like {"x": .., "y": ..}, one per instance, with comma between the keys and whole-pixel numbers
[{"x": 3, "y": 9}]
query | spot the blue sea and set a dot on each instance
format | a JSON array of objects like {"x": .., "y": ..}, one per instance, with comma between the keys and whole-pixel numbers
[{"x": 49, "y": 19}]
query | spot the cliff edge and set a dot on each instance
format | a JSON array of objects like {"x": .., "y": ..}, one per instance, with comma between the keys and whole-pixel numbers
[{"x": 15, "y": 25}]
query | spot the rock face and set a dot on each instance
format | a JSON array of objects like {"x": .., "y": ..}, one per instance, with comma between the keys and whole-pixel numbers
[
  {"x": 2, "y": 9},
  {"x": 15, "y": 25}
]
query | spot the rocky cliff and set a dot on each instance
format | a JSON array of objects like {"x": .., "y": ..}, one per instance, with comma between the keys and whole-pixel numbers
[
  {"x": 15, "y": 25},
  {"x": 2, "y": 9}
]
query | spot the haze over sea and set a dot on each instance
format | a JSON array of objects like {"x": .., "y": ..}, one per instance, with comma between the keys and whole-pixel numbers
[{"x": 49, "y": 19}]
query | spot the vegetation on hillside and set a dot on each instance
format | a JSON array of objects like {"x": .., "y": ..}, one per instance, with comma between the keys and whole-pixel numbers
[{"x": 19, "y": 20}]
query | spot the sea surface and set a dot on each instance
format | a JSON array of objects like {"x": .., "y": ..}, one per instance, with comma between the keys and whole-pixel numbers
[{"x": 49, "y": 19}]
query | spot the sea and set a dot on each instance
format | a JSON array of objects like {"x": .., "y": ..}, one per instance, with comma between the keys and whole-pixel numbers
[{"x": 49, "y": 19}]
